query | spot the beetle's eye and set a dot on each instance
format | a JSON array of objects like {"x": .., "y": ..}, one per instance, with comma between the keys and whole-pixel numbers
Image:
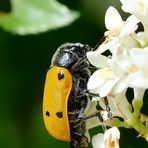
[{"x": 60, "y": 75}]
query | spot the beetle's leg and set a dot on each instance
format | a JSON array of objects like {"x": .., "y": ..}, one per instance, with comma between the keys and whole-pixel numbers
[
  {"x": 108, "y": 108},
  {"x": 105, "y": 101},
  {"x": 96, "y": 114},
  {"x": 79, "y": 121}
]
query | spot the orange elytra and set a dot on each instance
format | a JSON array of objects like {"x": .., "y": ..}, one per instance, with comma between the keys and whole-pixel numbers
[{"x": 56, "y": 93}]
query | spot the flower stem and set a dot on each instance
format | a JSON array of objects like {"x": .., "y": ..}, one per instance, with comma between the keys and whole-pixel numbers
[
  {"x": 137, "y": 104},
  {"x": 136, "y": 123}
]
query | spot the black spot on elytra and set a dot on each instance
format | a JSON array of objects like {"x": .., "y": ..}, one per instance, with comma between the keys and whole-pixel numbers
[
  {"x": 59, "y": 114},
  {"x": 60, "y": 75},
  {"x": 47, "y": 113}
]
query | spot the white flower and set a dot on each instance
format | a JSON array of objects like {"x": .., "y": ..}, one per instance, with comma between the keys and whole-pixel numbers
[
  {"x": 104, "y": 79},
  {"x": 115, "y": 74},
  {"x": 102, "y": 82},
  {"x": 139, "y": 8},
  {"x": 120, "y": 72},
  {"x": 120, "y": 34},
  {"x": 108, "y": 140},
  {"x": 135, "y": 65}
]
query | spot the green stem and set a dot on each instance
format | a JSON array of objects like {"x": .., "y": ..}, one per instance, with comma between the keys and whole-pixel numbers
[
  {"x": 116, "y": 122},
  {"x": 137, "y": 105},
  {"x": 136, "y": 123}
]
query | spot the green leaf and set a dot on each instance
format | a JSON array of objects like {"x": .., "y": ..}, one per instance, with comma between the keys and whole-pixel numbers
[{"x": 35, "y": 16}]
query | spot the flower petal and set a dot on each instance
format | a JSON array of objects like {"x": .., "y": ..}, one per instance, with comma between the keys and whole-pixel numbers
[
  {"x": 139, "y": 93},
  {"x": 140, "y": 58},
  {"x": 111, "y": 138},
  {"x": 139, "y": 8},
  {"x": 132, "y": 7},
  {"x": 112, "y": 131},
  {"x": 95, "y": 81},
  {"x": 97, "y": 141},
  {"x": 130, "y": 26},
  {"x": 96, "y": 59},
  {"x": 137, "y": 80},
  {"x": 124, "y": 62},
  {"x": 107, "y": 87},
  {"x": 112, "y": 45},
  {"x": 123, "y": 105},
  {"x": 113, "y": 20},
  {"x": 120, "y": 86},
  {"x": 116, "y": 68}
]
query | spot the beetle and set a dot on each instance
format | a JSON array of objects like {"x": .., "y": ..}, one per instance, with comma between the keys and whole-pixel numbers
[{"x": 65, "y": 98}]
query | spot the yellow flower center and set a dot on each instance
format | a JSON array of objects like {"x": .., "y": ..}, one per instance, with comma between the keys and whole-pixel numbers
[
  {"x": 106, "y": 73},
  {"x": 141, "y": 5},
  {"x": 110, "y": 34},
  {"x": 132, "y": 68}
]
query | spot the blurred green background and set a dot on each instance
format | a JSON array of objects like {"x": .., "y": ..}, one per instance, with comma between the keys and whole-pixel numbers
[{"x": 24, "y": 61}]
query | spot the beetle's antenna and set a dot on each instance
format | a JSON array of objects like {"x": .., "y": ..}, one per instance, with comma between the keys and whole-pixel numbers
[
  {"x": 92, "y": 94},
  {"x": 99, "y": 43},
  {"x": 78, "y": 63},
  {"x": 84, "y": 57}
]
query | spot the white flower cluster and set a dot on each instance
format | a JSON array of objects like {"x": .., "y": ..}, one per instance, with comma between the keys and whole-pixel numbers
[{"x": 126, "y": 66}]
